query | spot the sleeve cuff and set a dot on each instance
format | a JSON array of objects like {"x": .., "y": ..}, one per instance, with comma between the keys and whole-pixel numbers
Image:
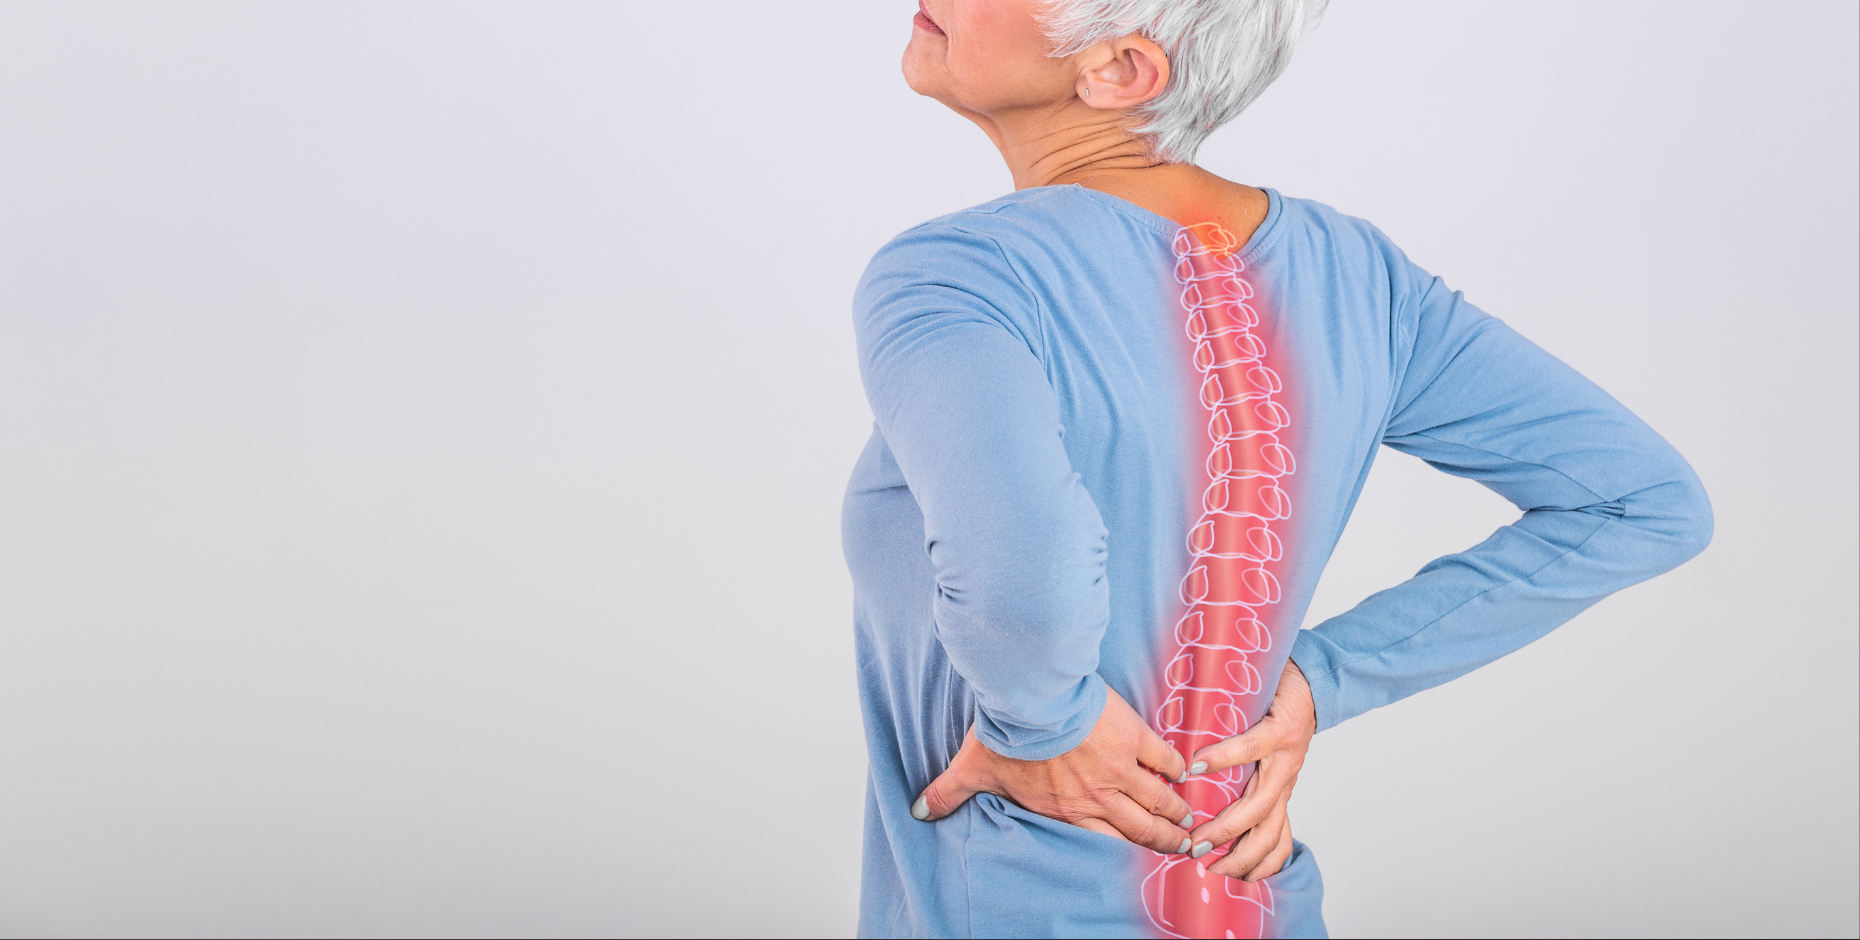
[
  {"x": 1002, "y": 735},
  {"x": 1312, "y": 655}
]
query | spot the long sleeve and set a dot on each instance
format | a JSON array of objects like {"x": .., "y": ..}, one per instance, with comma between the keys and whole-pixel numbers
[
  {"x": 1607, "y": 503},
  {"x": 947, "y": 348}
]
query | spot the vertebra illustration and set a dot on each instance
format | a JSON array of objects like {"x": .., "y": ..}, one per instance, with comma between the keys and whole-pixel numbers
[{"x": 1232, "y": 582}]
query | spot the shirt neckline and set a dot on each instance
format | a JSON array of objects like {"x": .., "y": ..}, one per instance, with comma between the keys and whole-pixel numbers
[{"x": 1254, "y": 245}]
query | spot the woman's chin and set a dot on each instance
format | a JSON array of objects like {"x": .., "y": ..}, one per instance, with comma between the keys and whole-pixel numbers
[{"x": 919, "y": 74}]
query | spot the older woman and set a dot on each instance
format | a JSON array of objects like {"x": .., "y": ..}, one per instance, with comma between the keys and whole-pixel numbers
[{"x": 1122, "y": 415}]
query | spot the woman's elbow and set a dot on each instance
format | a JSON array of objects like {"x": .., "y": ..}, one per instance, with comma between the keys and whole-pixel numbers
[
  {"x": 1703, "y": 523},
  {"x": 1679, "y": 513}
]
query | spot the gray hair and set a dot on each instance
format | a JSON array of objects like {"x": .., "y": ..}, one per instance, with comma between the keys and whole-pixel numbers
[{"x": 1222, "y": 55}]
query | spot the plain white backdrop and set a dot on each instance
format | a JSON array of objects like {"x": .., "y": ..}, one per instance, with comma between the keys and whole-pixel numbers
[{"x": 422, "y": 429}]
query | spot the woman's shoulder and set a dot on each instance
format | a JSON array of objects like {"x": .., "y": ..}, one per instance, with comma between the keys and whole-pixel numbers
[
  {"x": 1038, "y": 218},
  {"x": 1321, "y": 221},
  {"x": 961, "y": 249},
  {"x": 997, "y": 241},
  {"x": 1023, "y": 230},
  {"x": 1008, "y": 259},
  {"x": 1313, "y": 235}
]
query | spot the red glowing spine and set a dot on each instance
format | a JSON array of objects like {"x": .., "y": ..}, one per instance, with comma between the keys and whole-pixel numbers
[{"x": 1232, "y": 586}]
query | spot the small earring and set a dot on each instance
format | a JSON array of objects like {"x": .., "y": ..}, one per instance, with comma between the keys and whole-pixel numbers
[{"x": 1088, "y": 93}]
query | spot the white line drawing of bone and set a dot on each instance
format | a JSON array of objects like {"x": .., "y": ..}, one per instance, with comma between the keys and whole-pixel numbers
[{"x": 1229, "y": 548}]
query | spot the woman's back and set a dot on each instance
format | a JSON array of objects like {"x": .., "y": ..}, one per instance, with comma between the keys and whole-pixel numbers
[{"x": 1116, "y": 451}]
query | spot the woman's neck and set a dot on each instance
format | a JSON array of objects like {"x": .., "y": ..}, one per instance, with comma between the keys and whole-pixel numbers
[
  {"x": 1070, "y": 143},
  {"x": 1095, "y": 149}
]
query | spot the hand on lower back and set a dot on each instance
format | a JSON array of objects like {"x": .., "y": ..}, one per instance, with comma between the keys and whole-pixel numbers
[
  {"x": 1107, "y": 784},
  {"x": 1257, "y": 823}
]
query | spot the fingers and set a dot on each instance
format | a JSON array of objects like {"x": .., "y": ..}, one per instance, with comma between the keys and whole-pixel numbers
[
  {"x": 940, "y": 798},
  {"x": 1270, "y": 786},
  {"x": 1156, "y": 754},
  {"x": 954, "y": 786},
  {"x": 1287, "y": 727},
  {"x": 1100, "y": 827},
  {"x": 1251, "y": 850},
  {"x": 1156, "y": 797},
  {"x": 1255, "y": 743},
  {"x": 1107, "y": 783},
  {"x": 1276, "y": 859},
  {"x": 1141, "y": 826}
]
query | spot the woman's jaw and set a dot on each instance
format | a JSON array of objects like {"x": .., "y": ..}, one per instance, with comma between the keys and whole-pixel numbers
[
  {"x": 984, "y": 57},
  {"x": 1051, "y": 117}
]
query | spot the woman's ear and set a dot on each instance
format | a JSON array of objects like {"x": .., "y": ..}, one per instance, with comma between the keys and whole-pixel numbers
[{"x": 1123, "y": 73}]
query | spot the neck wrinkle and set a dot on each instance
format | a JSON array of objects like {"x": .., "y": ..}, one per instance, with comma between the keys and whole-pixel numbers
[{"x": 1074, "y": 154}]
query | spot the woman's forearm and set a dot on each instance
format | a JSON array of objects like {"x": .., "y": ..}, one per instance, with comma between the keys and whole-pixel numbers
[{"x": 1607, "y": 503}]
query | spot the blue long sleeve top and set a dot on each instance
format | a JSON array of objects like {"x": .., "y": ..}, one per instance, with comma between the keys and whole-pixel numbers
[{"x": 1108, "y": 455}]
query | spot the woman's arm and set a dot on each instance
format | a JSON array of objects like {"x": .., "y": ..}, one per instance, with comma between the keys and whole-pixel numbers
[
  {"x": 947, "y": 340},
  {"x": 1607, "y": 503}
]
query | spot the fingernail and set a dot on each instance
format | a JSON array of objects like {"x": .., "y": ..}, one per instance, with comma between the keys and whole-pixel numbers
[
  {"x": 1188, "y": 821},
  {"x": 1184, "y": 849},
  {"x": 1183, "y": 778},
  {"x": 1201, "y": 848},
  {"x": 920, "y": 810},
  {"x": 1199, "y": 767}
]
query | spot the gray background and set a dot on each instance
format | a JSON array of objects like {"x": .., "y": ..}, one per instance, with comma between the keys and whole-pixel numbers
[{"x": 422, "y": 429}]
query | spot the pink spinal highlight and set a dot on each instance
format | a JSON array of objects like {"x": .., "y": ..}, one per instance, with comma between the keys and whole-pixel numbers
[{"x": 1232, "y": 584}]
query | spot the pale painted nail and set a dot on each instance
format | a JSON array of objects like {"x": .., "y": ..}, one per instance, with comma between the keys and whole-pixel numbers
[
  {"x": 1201, "y": 848},
  {"x": 1183, "y": 778},
  {"x": 1184, "y": 849},
  {"x": 921, "y": 809},
  {"x": 1199, "y": 767},
  {"x": 1188, "y": 821}
]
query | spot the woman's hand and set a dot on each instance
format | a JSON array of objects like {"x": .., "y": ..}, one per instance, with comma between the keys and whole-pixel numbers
[
  {"x": 1107, "y": 784},
  {"x": 1258, "y": 818}
]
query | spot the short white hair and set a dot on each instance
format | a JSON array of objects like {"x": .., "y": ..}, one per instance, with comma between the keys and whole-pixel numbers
[{"x": 1222, "y": 55}]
